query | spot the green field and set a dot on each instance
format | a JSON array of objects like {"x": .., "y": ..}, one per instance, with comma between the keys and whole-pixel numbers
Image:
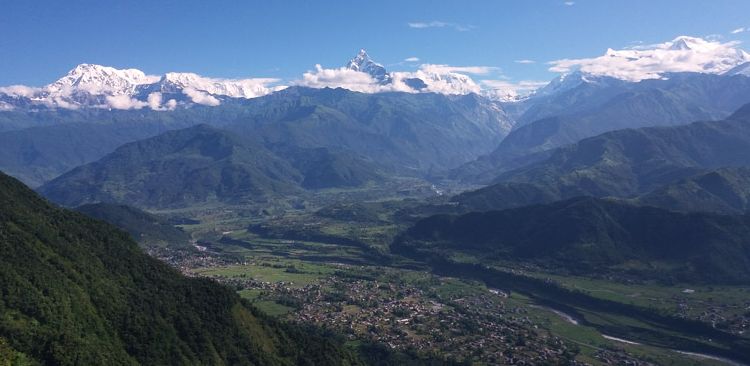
[
  {"x": 298, "y": 263},
  {"x": 294, "y": 273}
]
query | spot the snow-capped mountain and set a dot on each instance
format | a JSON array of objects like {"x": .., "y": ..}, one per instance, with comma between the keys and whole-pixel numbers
[
  {"x": 636, "y": 63},
  {"x": 572, "y": 80},
  {"x": 743, "y": 69},
  {"x": 428, "y": 78},
  {"x": 363, "y": 63},
  {"x": 96, "y": 86},
  {"x": 176, "y": 82},
  {"x": 97, "y": 79},
  {"x": 441, "y": 81}
]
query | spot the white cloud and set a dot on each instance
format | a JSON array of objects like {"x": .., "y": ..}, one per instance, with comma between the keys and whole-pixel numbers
[
  {"x": 201, "y": 97},
  {"x": 59, "y": 101},
  {"x": 171, "y": 104},
  {"x": 439, "y": 24},
  {"x": 412, "y": 59},
  {"x": 525, "y": 61},
  {"x": 6, "y": 107},
  {"x": 520, "y": 86},
  {"x": 154, "y": 101},
  {"x": 444, "y": 69},
  {"x": 19, "y": 91},
  {"x": 124, "y": 102},
  {"x": 443, "y": 79},
  {"x": 569, "y": 3},
  {"x": 236, "y": 88},
  {"x": 683, "y": 54},
  {"x": 508, "y": 90},
  {"x": 739, "y": 30},
  {"x": 340, "y": 78}
]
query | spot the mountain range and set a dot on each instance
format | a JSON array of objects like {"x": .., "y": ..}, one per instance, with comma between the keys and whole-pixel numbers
[
  {"x": 411, "y": 134},
  {"x": 182, "y": 167},
  {"x": 590, "y": 105},
  {"x": 627, "y": 163},
  {"x": 340, "y": 138},
  {"x": 104, "y": 87},
  {"x": 97, "y": 86},
  {"x": 433, "y": 122}
]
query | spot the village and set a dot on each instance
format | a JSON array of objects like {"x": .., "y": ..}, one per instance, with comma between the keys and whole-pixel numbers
[
  {"x": 418, "y": 313},
  {"x": 478, "y": 327}
]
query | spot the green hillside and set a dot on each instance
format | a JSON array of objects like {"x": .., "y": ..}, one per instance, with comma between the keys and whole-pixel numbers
[
  {"x": 178, "y": 168},
  {"x": 77, "y": 291},
  {"x": 625, "y": 163},
  {"x": 145, "y": 228},
  {"x": 593, "y": 237}
]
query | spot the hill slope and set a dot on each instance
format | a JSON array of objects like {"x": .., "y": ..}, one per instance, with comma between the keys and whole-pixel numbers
[
  {"x": 78, "y": 291},
  {"x": 624, "y": 163},
  {"x": 592, "y": 237},
  {"x": 724, "y": 190},
  {"x": 194, "y": 165},
  {"x": 36, "y": 155},
  {"x": 145, "y": 228}
]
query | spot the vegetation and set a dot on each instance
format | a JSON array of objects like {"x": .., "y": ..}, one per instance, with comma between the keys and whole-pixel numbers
[
  {"x": 143, "y": 227},
  {"x": 76, "y": 291},
  {"x": 624, "y": 163},
  {"x": 178, "y": 168},
  {"x": 724, "y": 190},
  {"x": 594, "y": 237}
]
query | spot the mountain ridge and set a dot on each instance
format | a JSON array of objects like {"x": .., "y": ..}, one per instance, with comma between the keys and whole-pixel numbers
[
  {"x": 624, "y": 163},
  {"x": 591, "y": 236}
]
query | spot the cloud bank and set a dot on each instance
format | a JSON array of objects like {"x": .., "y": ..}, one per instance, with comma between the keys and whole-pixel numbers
[
  {"x": 683, "y": 54},
  {"x": 444, "y": 79},
  {"x": 201, "y": 97},
  {"x": 124, "y": 102}
]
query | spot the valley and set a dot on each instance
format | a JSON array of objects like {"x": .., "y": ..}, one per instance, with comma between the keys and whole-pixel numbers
[
  {"x": 514, "y": 183},
  {"x": 308, "y": 267}
]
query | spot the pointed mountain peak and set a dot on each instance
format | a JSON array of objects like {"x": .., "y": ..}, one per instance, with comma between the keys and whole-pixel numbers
[
  {"x": 363, "y": 63},
  {"x": 680, "y": 44},
  {"x": 360, "y": 61}
]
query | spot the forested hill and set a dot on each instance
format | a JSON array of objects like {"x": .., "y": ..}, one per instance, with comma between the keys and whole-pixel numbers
[
  {"x": 77, "y": 291},
  {"x": 591, "y": 236}
]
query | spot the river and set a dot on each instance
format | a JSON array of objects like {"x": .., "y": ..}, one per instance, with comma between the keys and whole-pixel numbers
[{"x": 572, "y": 320}]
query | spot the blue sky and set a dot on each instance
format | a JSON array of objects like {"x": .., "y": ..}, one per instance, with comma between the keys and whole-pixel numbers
[{"x": 41, "y": 40}]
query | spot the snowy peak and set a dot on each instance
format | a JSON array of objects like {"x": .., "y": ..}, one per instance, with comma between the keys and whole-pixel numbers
[
  {"x": 177, "y": 82},
  {"x": 682, "y": 54},
  {"x": 97, "y": 79},
  {"x": 682, "y": 44},
  {"x": 97, "y": 86},
  {"x": 564, "y": 82},
  {"x": 363, "y": 63}
]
